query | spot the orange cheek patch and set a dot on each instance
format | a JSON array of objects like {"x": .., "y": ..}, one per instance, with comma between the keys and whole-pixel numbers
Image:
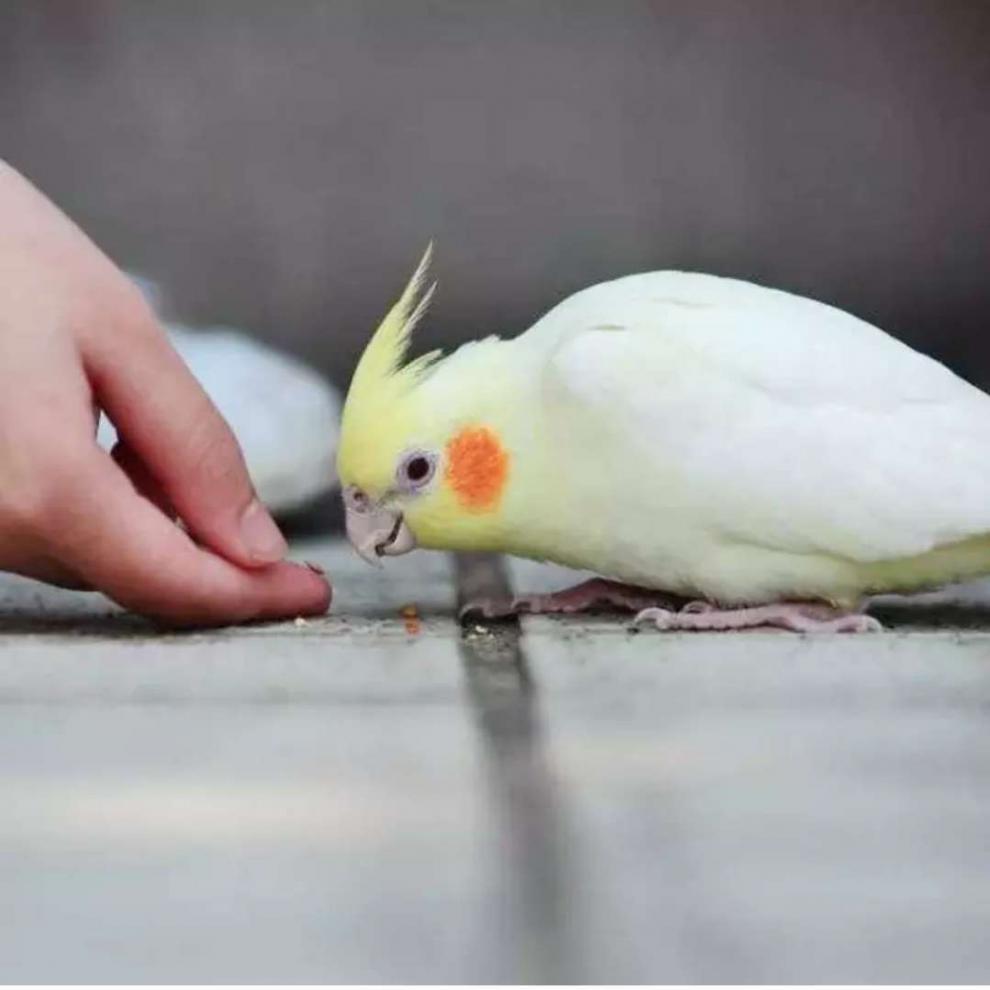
[{"x": 477, "y": 468}]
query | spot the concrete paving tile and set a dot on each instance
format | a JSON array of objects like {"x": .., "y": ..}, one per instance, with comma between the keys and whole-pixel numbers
[
  {"x": 346, "y": 801},
  {"x": 281, "y": 843},
  {"x": 773, "y": 809}
]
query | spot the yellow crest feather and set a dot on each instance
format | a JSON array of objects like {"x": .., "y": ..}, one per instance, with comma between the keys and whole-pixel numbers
[
  {"x": 383, "y": 356},
  {"x": 381, "y": 379}
]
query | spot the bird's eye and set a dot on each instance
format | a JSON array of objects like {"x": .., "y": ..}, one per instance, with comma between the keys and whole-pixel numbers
[{"x": 416, "y": 469}]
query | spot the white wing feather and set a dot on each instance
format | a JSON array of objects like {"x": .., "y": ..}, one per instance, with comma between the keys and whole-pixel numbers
[{"x": 771, "y": 419}]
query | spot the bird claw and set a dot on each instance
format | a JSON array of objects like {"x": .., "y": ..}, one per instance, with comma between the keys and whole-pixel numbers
[
  {"x": 697, "y": 607},
  {"x": 856, "y": 623},
  {"x": 485, "y": 608},
  {"x": 502, "y": 608},
  {"x": 662, "y": 618}
]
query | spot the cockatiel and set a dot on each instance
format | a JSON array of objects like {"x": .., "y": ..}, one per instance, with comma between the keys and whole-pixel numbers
[{"x": 679, "y": 434}]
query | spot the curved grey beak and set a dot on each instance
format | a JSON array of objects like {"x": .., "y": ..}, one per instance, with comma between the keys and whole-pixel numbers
[{"x": 375, "y": 532}]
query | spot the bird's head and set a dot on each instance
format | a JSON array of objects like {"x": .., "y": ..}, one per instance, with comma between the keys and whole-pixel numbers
[{"x": 422, "y": 459}]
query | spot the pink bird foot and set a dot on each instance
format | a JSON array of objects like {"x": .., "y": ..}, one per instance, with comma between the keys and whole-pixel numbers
[
  {"x": 795, "y": 616},
  {"x": 580, "y": 598}
]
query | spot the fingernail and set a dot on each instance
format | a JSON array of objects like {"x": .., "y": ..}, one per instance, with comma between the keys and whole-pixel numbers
[
  {"x": 315, "y": 568},
  {"x": 261, "y": 536}
]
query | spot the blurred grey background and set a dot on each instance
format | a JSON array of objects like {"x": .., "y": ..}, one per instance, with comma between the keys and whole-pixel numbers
[{"x": 280, "y": 166}]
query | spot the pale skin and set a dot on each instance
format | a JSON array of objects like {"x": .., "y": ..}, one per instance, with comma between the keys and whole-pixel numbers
[{"x": 77, "y": 337}]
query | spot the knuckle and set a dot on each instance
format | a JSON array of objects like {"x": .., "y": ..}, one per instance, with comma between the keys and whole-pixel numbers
[
  {"x": 131, "y": 309},
  {"x": 110, "y": 308}
]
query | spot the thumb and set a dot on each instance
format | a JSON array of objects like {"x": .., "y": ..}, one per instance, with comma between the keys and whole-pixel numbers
[{"x": 120, "y": 543}]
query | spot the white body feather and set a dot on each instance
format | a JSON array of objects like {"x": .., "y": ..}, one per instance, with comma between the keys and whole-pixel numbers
[{"x": 710, "y": 436}]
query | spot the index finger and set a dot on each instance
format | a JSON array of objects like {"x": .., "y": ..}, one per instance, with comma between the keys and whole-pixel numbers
[{"x": 167, "y": 419}]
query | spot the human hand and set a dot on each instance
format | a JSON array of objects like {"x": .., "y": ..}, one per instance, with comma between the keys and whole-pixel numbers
[{"x": 75, "y": 337}]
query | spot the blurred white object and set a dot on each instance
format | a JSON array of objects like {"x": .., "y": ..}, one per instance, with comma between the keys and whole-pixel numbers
[{"x": 284, "y": 414}]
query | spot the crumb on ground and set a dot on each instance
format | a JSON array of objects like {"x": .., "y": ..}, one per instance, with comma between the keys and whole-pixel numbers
[{"x": 410, "y": 616}]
